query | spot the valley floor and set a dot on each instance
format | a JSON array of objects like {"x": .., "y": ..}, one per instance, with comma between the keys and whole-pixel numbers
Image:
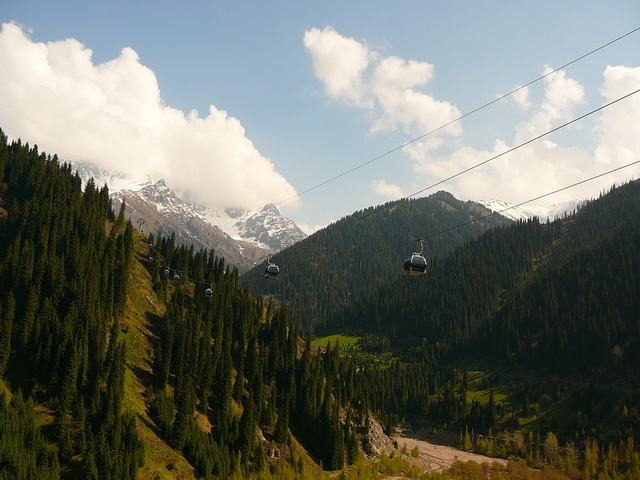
[{"x": 432, "y": 457}]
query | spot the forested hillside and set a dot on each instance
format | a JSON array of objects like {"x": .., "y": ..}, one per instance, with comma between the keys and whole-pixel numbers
[
  {"x": 64, "y": 261},
  {"x": 561, "y": 297},
  {"x": 125, "y": 356},
  {"x": 529, "y": 331},
  {"x": 113, "y": 367},
  {"x": 347, "y": 261}
]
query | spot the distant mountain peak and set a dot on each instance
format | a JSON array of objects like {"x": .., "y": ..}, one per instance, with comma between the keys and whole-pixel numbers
[
  {"x": 524, "y": 212},
  {"x": 157, "y": 206}
]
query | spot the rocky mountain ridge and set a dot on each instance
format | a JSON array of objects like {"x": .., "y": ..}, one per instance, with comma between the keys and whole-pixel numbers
[{"x": 243, "y": 237}]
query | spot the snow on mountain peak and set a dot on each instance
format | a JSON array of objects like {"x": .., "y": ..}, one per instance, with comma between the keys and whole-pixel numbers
[
  {"x": 524, "y": 212},
  {"x": 267, "y": 229}
]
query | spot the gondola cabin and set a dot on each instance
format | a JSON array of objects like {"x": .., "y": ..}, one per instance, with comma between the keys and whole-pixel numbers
[
  {"x": 208, "y": 292},
  {"x": 272, "y": 271},
  {"x": 415, "y": 265}
]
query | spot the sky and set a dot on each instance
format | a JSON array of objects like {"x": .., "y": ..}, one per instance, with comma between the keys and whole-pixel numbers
[{"x": 325, "y": 108}]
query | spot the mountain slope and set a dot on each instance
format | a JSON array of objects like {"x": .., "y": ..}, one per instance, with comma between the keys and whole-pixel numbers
[
  {"x": 242, "y": 237},
  {"x": 110, "y": 369},
  {"x": 562, "y": 295},
  {"x": 64, "y": 273},
  {"x": 348, "y": 260},
  {"x": 580, "y": 309}
]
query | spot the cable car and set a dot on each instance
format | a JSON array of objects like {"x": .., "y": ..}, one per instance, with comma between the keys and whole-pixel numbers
[
  {"x": 150, "y": 259},
  {"x": 272, "y": 271},
  {"x": 208, "y": 292},
  {"x": 166, "y": 272},
  {"x": 416, "y": 264},
  {"x": 176, "y": 278}
]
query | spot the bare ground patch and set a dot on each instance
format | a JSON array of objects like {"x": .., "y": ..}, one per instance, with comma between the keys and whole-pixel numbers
[{"x": 433, "y": 457}]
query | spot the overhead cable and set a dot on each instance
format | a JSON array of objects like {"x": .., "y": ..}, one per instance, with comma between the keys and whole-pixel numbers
[
  {"x": 457, "y": 119},
  {"x": 498, "y": 212},
  {"x": 538, "y": 137}
]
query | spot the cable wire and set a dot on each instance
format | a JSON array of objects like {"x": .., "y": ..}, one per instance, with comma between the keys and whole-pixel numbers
[
  {"x": 534, "y": 199},
  {"x": 581, "y": 117},
  {"x": 457, "y": 119},
  {"x": 577, "y": 119}
]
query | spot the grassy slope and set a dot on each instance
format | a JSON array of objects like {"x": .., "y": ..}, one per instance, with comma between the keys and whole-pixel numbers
[
  {"x": 143, "y": 309},
  {"x": 161, "y": 462},
  {"x": 340, "y": 338}
]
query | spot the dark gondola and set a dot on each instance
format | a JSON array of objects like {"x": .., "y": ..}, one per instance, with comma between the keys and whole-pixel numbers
[
  {"x": 416, "y": 264},
  {"x": 272, "y": 271}
]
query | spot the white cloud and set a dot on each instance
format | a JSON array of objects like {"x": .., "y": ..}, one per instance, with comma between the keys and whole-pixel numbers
[
  {"x": 562, "y": 95},
  {"x": 386, "y": 87},
  {"x": 112, "y": 115},
  {"x": 387, "y": 190},
  {"x": 339, "y": 62},
  {"x": 546, "y": 165},
  {"x": 311, "y": 229},
  {"x": 521, "y": 97},
  {"x": 619, "y": 125},
  {"x": 391, "y": 92}
]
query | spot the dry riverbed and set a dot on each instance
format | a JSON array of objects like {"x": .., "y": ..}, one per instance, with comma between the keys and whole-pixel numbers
[{"x": 433, "y": 457}]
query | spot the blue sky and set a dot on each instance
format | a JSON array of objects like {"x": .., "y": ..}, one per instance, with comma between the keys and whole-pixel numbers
[{"x": 245, "y": 103}]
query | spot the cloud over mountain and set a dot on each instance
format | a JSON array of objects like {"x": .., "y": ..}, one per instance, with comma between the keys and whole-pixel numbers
[{"x": 113, "y": 116}]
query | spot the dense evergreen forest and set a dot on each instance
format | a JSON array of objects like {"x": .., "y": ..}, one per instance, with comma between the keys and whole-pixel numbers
[
  {"x": 561, "y": 297},
  {"x": 63, "y": 280},
  {"x": 125, "y": 356},
  {"x": 350, "y": 259}
]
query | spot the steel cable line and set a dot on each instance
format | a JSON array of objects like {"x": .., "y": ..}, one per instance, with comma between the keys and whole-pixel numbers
[
  {"x": 527, "y": 142},
  {"x": 457, "y": 119},
  {"x": 577, "y": 119},
  {"x": 484, "y": 162},
  {"x": 534, "y": 199}
]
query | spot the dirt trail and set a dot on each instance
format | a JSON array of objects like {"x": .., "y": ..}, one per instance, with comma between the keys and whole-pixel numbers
[{"x": 434, "y": 457}]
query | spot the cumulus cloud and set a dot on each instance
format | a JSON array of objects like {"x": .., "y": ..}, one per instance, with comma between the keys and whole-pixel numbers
[
  {"x": 339, "y": 63},
  {"x": 544, "y": 166},
  {"x": 112, "y": 115},
  {"x": 387, "y": 190},
  {"x": 311, "y": 229},
  {"x": 521, "y": 97},
  {"x": 391, "y": 91},
  {"x": 387, "y": 88},
  {"x": 562, "y": 96},
  {"x": 618, "y": 126}
]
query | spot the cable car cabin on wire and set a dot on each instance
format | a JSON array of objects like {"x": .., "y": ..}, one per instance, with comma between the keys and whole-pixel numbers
[
  {"x": 272, "y": 271},
  {"x": 416, "y": 264}
]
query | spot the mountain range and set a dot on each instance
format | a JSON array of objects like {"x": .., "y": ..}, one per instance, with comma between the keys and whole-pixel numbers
[{"x": 242, "y": 237}]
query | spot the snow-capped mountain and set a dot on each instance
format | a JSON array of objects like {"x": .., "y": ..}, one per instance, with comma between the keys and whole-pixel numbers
[
  {"x": 268, "y": 228},
  {"x": 523, "y": 212},
  {"x": 243, "y": 237}
]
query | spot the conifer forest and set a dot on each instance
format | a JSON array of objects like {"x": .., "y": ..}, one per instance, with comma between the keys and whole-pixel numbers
[{"x": 132, "y": 356}]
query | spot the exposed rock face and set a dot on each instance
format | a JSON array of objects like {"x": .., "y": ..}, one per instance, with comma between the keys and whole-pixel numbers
[{"x": 243, "y": 237}]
